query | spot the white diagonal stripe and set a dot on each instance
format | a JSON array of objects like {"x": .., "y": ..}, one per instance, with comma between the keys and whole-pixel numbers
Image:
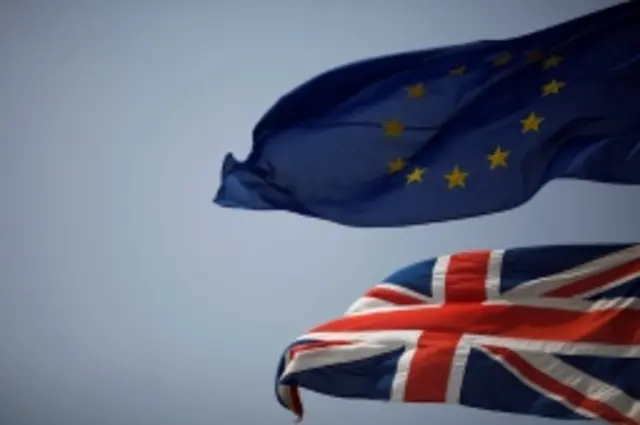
[
  {"x": 538, "y": 287},
  {"x": 555, "y": 347},
  {"x": 585, "y": 384},
  {"x": 326, "y": 356},
  {"x": 535, "y": 386},
  {"x": 367, "y": 304},
  {"x": 570, "y": 304},
  {"x": 611, "y": 285}
]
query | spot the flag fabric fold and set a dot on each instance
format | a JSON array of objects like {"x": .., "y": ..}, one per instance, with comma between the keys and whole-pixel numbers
[
  {"x": 549, "y": 331},
  {"x": 451, "y": 132}
]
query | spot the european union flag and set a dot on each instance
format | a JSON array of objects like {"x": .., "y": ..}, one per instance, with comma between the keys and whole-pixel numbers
[{"x": 451, "y": 132}]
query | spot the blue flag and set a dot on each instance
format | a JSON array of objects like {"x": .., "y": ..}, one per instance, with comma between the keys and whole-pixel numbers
[{"x": 451, "y": 132}]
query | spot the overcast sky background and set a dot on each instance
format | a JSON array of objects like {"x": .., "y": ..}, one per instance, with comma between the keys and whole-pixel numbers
[{"x": 126, "y": 296}]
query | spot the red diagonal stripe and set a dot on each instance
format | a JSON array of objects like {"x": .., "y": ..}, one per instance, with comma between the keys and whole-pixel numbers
[
  {"x": 293, "y": 351},
  {"x": 391, "y": 296},
  {"x": 596, "y": 281},
  {"x": 549, "y": 384}
]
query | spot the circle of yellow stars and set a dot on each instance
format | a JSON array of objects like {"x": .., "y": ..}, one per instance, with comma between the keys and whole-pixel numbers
[{"x": 457, "y": 178}]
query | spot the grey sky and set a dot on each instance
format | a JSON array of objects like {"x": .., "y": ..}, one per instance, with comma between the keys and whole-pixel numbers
[{"x": 126, "y": 296}]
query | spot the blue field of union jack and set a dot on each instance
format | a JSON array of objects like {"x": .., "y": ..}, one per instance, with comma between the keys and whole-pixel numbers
[{"x": 551, "y": 331}]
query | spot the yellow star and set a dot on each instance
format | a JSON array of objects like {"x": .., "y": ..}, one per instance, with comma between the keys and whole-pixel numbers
[
  {"x": 396, "y": 165},
  {"x": 534, "y": 55},
  {"x": 502, "y": 59},
  {"x": 498, "y": 158},
  {"x": 393, "y": 128},
  {"x": 531, "y": 123},
  {"x": 459, "y": 70},
  {"x": 457, "y": 178},
  {"x": 416, "y": 91},
  {"x": 416, "y": 175},
  {"x": 552, "y": 61},
  {"x": 552, "y": 87}
]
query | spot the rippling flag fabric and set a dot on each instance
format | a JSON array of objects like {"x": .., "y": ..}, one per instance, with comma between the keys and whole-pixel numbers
[
  {"x": 550, "y": 331},
  {"x": 451, "y": 132}
]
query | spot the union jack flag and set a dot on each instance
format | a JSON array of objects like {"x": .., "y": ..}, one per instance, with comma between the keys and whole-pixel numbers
[{"x": 551, "y": 331}]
